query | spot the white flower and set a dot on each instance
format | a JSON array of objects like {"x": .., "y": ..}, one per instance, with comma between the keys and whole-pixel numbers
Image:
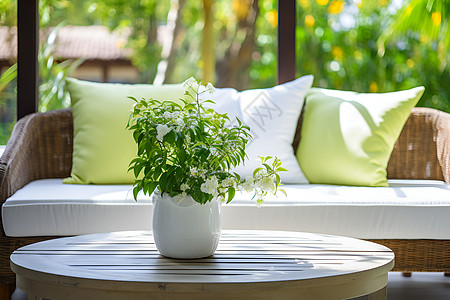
[
  {"x": 210, "y": 186},
  {"x": 229, "y": 181},
  {"x": 266, "y": 184},
  {"x": 184, "y": 187},
  {"x": 191, "y": 83},
  {"x": 167, "y": 115},
  {"x": 162, "y": 130},
  {"x": 261, "y": 174},
  {"x": 210, "y": 88},
  {"x": 248, "y": 185},
  {"x": 179, "y": 122}
]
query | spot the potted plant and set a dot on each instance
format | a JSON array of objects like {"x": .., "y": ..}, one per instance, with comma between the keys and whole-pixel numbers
[{"x": 186, "y": 153}]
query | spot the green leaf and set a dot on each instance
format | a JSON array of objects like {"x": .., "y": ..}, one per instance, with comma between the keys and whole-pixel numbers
[
  {"x": 238, "y": 177},
  {"x": 267, "y": 158},
  {"x": 157, "y": 172},
  {"x": 281, "y": 169},
  {"x": 267, "y": 167},
  {"x": 256, "y": 171},
  {"x": 278, "y": 179},
  {"x": 170, "y": 137},
  {"x": 151, "y": 187},
  {"x": 136, "y": 191},
  {"x": 181, "y": 156},
  {"x": 231, "y": 193},
  {"x": 163, "y": 181},
  {"x": 283, "y": 191},
  {"x": 138, "y": 169}
]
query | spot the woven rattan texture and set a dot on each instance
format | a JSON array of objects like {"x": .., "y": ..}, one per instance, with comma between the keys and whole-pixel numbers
[
  {"x": 41, "y": 147},
  {"x": 419, "y": 255},
  {"x": 422, "y": 150}
]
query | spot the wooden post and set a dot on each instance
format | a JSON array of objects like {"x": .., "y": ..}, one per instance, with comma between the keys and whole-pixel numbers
[
  {"x": 286, "y": 41},
  {"x": 27, "y": 57},
  {"x": 208, "y": 47}
]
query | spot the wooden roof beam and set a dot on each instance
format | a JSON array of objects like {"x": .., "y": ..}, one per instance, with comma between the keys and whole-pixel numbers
[
  {"x": 286, "y": 41},
  {"x": 27, "y": 57}
]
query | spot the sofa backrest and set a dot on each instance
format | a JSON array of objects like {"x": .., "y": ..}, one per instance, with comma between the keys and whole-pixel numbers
[
  {"x": 419, "y": 151},
  {"x": 415, "y": 155},
  {"x": 41, "y": 146}
]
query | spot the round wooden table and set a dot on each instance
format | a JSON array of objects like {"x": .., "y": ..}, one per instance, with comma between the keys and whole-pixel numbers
[{"x": 247, "y": 265}]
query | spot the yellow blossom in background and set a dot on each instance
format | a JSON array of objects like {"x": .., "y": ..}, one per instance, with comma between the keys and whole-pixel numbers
[
  {"x": 436, "y": 17},
  {"x": 408, "y": 10},
  {"x": 373, "y": 87},
  {"x": 120, "y": 43},
  {"x": 382, "y": 2},
  {"x": 240, "y": 8},
  {"x": 357, "y": 54},
  {"x": 358, "y": 3},
  {"x": 423, "y": 38},
  {"x": 272, "y": 17},
  {"x": 410, "y": 63},
  {"x": 441, "y": 46},
  {"x": 337, "y": 52},
  {"x": 309, "y": 21},
  {"x": 322, "y": 2},
  {"x": 335, "y": 7},
  {"x": 303, "y": 3}
]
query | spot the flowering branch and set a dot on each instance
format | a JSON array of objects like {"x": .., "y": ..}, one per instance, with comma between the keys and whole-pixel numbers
[{"x": 187, "y": 149}]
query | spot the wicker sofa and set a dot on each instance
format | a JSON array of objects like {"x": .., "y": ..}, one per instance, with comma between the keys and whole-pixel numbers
[{"x": 41, "y": 147}]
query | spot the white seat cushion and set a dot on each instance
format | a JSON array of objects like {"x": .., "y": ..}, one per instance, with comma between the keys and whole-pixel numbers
[{"x": 408, "y": 209}]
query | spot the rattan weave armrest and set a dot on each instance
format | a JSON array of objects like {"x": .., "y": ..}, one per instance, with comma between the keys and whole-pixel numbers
[
  {"x": 40, "y": 147},
  {"x": 443, "y": 143},
  {"x": 423, "y": 148}
]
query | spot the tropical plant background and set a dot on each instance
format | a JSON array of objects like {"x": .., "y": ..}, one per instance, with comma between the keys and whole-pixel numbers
[{"x": 360, "y": 45}]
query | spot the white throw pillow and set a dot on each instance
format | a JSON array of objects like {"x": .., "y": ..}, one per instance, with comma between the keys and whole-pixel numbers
[{"x": 272, "y": 115}]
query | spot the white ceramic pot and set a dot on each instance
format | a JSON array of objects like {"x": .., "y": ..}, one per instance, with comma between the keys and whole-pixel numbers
[{"x": 185, "y": 229}]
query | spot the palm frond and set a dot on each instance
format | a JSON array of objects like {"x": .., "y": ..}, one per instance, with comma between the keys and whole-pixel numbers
[{"x": 428, "y": 19}]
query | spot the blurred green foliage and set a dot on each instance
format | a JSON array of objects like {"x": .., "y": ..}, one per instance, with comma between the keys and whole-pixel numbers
[
  {"x": 338, "y": 42},
  {"x": 52, "y": 88},
  {"x": 53, "y": 93},
  {"x": 7, "y": 103},
  {"x": 341, "y": 51}
]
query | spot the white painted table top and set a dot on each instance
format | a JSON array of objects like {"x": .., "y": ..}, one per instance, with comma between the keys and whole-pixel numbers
[{"x": 254, "y": 257}]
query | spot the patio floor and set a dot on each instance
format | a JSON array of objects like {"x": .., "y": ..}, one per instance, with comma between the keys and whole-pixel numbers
[{"x": 420, "y": 286}]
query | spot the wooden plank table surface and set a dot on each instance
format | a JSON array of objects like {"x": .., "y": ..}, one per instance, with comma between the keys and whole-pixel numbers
[{"x": 246, "y": 265}]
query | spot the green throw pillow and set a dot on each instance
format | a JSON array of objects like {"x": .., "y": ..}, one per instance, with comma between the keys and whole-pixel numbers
[
  {"x": 347, "y": 138},
  {"x": 102, "y": 146}
]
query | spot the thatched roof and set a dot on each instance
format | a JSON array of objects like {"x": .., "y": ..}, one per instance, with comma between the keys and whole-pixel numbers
[{"x": 89, "y": 42}]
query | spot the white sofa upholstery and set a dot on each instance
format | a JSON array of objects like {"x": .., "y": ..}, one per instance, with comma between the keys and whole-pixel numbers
[{"x": 408, "y": 209}]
